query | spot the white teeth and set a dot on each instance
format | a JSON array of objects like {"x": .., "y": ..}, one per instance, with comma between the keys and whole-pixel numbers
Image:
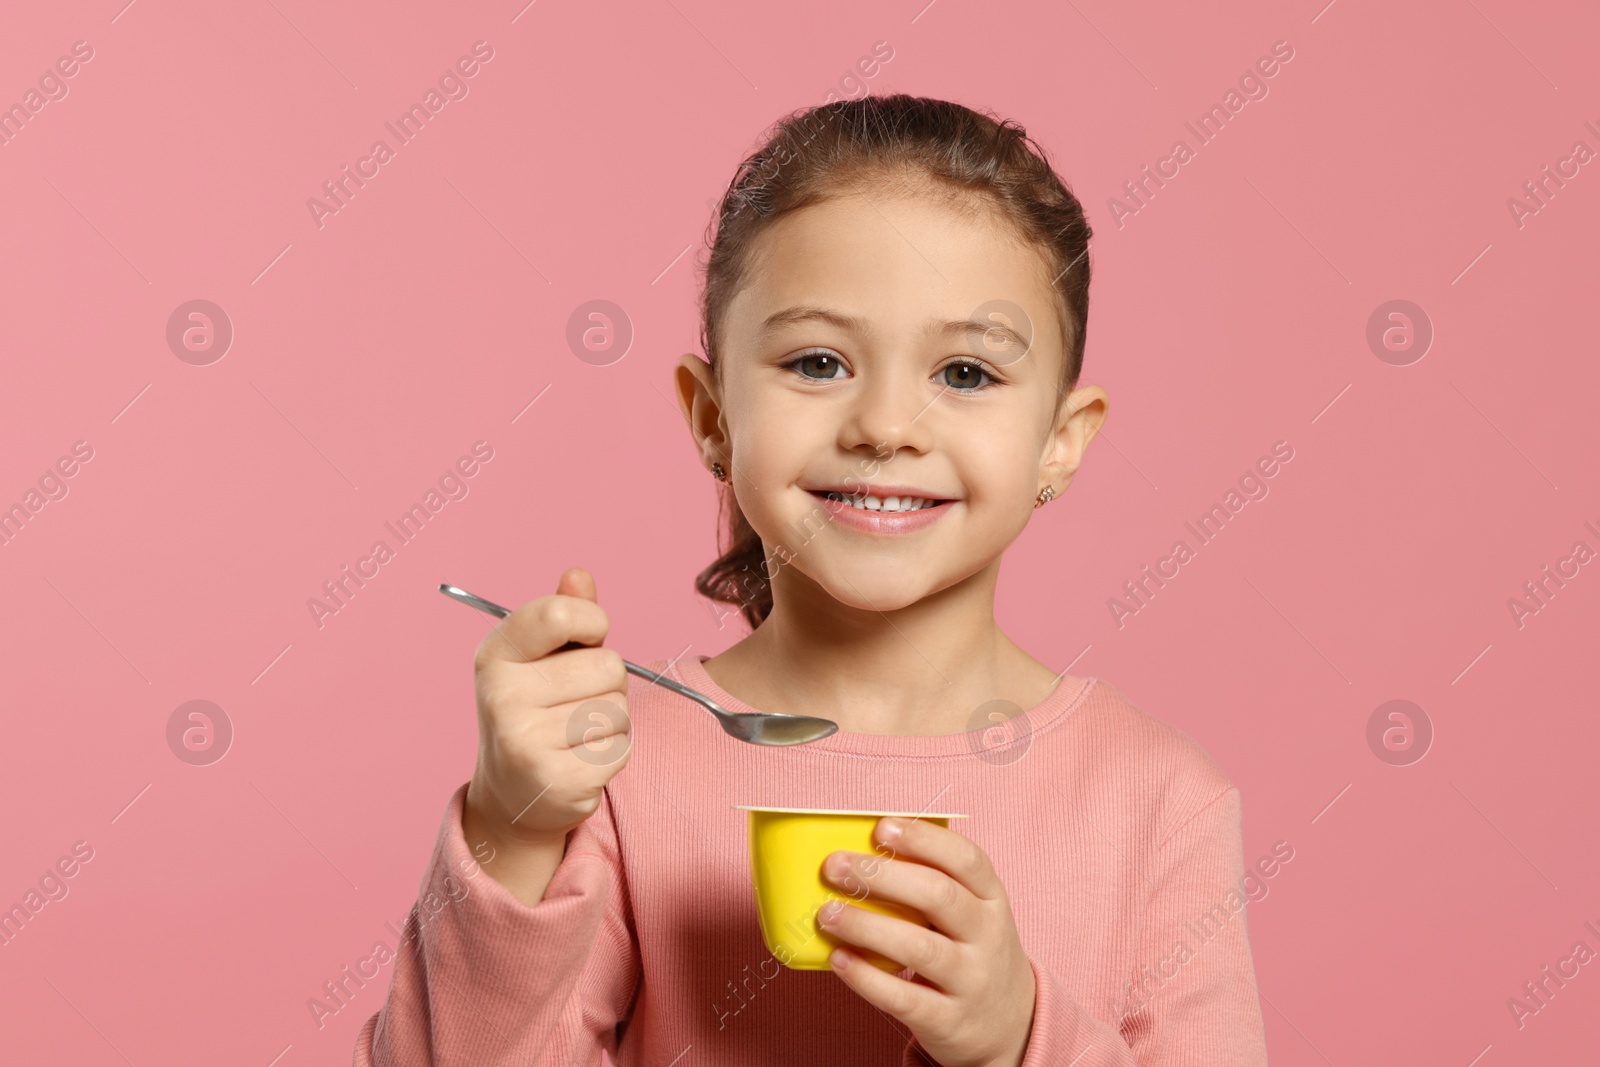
[{"x": 891, "y": 503}]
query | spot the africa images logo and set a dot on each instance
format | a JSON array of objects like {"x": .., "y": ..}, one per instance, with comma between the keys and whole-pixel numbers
[{"x": 452, "y": 85}]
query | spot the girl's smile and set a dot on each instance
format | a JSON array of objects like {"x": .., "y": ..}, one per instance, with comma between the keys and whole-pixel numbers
[{"x": 882, "y": 512}]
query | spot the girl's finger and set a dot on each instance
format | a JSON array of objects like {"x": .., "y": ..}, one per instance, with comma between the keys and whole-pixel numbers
[
  {"x": 920, "y": 1007},
  {"x": 906, "y": 879},
  {"x": 945, "y": 902},
  {"x": 941, "y": 847},
  {"x": 929, "y": 953}
]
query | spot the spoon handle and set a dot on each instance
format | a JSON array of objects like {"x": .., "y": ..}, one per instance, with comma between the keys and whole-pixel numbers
[{"x": 491, "y": 608}]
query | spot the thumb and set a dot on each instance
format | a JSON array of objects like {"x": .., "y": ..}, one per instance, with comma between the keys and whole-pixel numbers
[{"x": 576, "y": 581}]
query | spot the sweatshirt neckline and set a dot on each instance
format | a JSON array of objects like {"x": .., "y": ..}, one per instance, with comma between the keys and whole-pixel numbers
[{"x": 1060, "y": 702}]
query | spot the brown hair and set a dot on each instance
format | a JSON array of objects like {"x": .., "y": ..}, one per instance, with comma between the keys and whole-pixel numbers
[{"x": 818, "y": 153}]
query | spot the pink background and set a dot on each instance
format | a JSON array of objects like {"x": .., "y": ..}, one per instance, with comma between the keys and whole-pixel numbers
[{"x": 1228, "y": 313}]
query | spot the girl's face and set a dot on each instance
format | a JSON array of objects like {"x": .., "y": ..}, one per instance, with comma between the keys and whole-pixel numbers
[{"x": 868, "y": 349}]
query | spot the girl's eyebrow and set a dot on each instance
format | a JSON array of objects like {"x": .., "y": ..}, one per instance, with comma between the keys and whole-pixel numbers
[{"x": 812, "y": 313}]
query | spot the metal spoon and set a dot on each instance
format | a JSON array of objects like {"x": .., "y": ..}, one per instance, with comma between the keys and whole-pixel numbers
[{"x": 759, "y": 728}]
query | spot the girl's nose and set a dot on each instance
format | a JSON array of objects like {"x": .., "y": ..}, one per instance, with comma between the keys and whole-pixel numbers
[{"x": 891, "y": 410}]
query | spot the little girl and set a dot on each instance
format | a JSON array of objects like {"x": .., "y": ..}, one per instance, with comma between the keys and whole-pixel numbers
[{"x": 893, "y": 318}]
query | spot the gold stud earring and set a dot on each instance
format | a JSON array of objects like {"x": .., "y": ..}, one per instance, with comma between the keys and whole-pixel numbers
[
  {"x": 719, "y": 473},
  {"x": 1047, "y": 494}
]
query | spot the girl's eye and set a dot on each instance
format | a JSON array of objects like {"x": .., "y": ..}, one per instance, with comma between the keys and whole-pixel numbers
[
  {"x": 969, "y": 373},
  {"x": 825, "y": 361}
]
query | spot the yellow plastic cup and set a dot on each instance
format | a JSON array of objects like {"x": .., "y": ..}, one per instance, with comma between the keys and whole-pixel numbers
[{"x": 787, "y": 848}]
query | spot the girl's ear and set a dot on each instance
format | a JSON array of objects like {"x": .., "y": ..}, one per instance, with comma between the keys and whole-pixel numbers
[
  {"x": 1078, "y": 420},
  {"x": 700, "y": 402}
]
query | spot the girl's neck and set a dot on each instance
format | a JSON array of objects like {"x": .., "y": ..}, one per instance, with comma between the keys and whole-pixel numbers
[{"x": 923, "y": 669}]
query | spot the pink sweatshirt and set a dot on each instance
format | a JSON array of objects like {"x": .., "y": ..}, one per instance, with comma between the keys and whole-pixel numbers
[{"x": 1116, "y": 836}]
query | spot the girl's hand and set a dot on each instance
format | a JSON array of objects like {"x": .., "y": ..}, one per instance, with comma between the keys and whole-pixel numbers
[
  {"x": 970, "y": 1002},
  {"x": 552, "y": 731}
]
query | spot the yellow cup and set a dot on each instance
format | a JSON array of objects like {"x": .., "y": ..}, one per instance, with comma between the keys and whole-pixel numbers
[{"x": 787, "y": 848}]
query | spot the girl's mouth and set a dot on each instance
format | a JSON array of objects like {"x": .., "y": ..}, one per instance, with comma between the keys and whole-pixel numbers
[{"x": 894, "y": 515}]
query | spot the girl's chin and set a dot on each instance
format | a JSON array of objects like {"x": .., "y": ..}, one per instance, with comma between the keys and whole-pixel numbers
[{"x": 876, "y": 586}]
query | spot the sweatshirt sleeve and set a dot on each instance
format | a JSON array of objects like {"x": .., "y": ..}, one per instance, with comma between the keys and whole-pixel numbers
[
  {"x": 1192, "y": 998},
  {"x": 1191, "y": 1002},
  {"x": 481, "y": 978}
]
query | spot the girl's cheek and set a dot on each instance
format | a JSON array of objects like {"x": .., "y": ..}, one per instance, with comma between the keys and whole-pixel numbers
[{"x": 995, "y": 464}]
